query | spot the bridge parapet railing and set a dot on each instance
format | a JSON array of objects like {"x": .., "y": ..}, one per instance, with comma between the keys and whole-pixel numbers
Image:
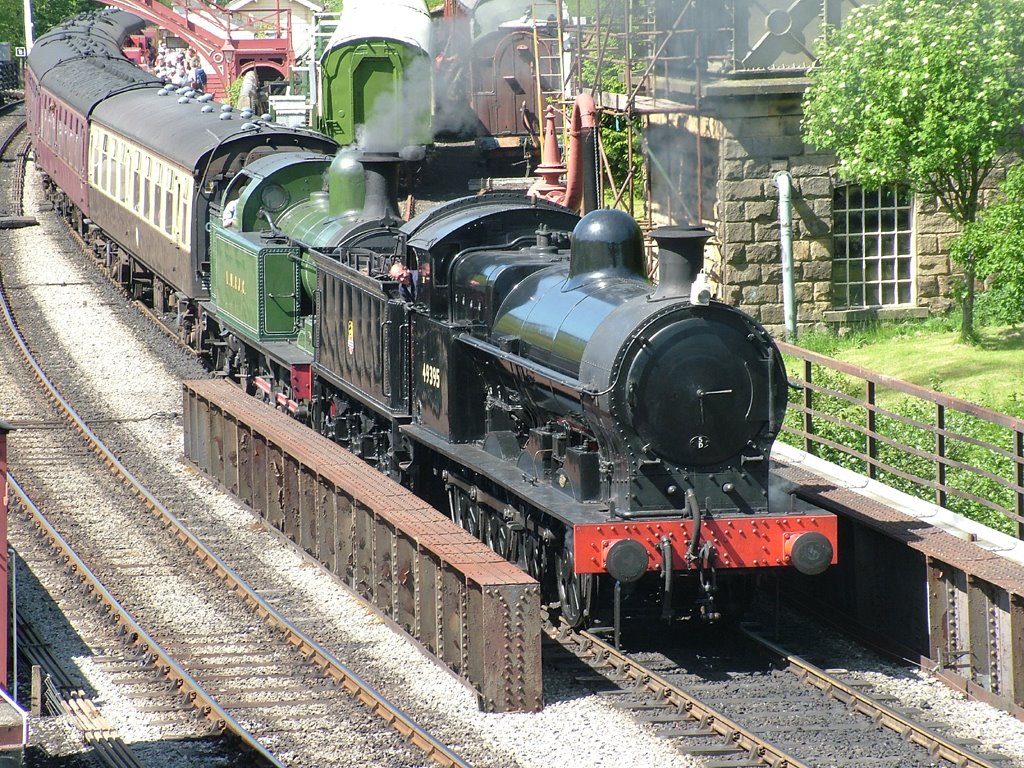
[
  {"x": 226, "y": 24},
  {"x": 958, "y": 455}
]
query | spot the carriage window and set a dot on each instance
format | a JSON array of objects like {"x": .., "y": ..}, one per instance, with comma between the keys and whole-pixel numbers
[
  {"x": 185, "y": 234},
  {"x": 872, "y": 262},
  {"x": 97, "y": 160},
  {"x": 122, "y": 181},
  {"x": 183, "y": 219},
  {"x": 158, "y": 192},
  {"x": 145, "y": 188},
  {"x": 105, "y": 181},
  {"x": 136, "y": 188},
  {"x": 112, "y": 168},
  {"x": 168, "y": 212}
]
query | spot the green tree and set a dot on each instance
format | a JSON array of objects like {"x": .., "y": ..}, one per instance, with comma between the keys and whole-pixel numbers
[
  {"x": 12, "y": 29},
  {"x": 45, "y": 14},
  {"x": 924, "y": 92},
  {"x": 615, "y": 128},
  {"x": 997, "y": 237}
]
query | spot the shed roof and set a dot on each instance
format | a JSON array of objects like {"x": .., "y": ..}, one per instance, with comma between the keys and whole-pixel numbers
[{"x": 238, "y": 5}]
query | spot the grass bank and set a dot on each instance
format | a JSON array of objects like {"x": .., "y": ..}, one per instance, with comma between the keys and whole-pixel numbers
[{"x": 990, "y": 373}]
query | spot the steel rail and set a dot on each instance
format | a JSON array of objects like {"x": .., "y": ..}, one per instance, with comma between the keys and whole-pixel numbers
[
  {"x": 63, "y": 697},
  {"x": 139, "y": 638},
  {"x": 329, "y": 665},
  {"x": 9, "y": 138},
  {"x": 937, "y": 745},
  {"x": 169, "y": 332},
  {"x": 138, "y": 304},
  {"x": 586, "y": 645}
]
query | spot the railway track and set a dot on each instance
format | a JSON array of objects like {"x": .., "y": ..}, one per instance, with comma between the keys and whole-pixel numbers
[
  {"x": 63, "y": 690},
  {"x": 128, "y": 410},
  {"x": 14, "y": 149},
  {"x": 720, "y": 710},
  {"x": 268, "y": 673},
  {"x": 292, "y": 653}
]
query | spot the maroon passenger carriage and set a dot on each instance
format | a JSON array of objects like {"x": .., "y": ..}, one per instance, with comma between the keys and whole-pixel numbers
[{"x": 135, "y": 164}]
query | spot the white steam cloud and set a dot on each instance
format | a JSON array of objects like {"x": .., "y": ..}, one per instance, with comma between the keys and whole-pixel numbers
[{"x": 402, "y": 117}]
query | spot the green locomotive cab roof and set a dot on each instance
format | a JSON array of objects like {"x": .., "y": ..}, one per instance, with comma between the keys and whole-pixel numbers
[{"x": 268, "y": 186}]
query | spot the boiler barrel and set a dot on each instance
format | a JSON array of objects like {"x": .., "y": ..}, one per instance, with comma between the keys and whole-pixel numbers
[{"x": 554, "y": 324}]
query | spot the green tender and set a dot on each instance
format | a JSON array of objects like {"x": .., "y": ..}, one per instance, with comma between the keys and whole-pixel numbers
[
  {"x": 371, "y": 83},
  {"x": 255, "y": 284}
]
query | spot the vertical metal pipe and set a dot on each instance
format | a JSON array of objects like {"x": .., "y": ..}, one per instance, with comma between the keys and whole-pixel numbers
[
  {"x": 698, "y": 94},
  {"x": 808, "y": 409},
  {"x": 1019, "y": 503},
  {"x": 12, "y": 616},
  {"x": 29, "y": 30},
  {"x": 784, "y": 182},
  {"x": 940, "y": 456},
  {"x": 872, "y": 433},
  {"x": 628, "y": 21}
]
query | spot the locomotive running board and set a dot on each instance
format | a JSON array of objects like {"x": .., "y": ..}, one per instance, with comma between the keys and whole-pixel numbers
[{"x": 510, "y": 477}]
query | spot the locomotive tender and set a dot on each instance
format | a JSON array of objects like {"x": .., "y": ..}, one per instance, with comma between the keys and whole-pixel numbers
[
  {"x": 376, "y": 77},
  {"x": 610, "y": 436}
]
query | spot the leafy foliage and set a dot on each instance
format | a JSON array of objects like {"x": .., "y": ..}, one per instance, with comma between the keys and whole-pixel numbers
[
  {"x": 235, "y": 91},
  {"x": 926, "y": 92},
  {"x": 615, "y": 140},
  {"x": 12, "y": 30},
  {"x": 997, "y": 237},
  {"x": 45, "y": 14},
  {"x": 614, "y": 128}
]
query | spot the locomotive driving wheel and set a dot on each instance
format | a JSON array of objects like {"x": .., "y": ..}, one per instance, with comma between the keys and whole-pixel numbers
[
  {"x": 531, "y": 556},
  {"x": 575, "y": 591},
  {"x": 466, "y": 514},
  {"x": 498, "y": 536}
]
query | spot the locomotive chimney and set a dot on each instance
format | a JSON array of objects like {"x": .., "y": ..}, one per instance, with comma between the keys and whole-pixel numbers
[
  {"x": 381, "y": 171},
  {"x": 346, "y": 184},
  {"x": 680, "y": 259}
]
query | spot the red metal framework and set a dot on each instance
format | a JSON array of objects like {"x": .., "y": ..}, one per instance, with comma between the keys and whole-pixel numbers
[
  {"x": 5, "y": 607},
  {"x": 231, "y": 42}
]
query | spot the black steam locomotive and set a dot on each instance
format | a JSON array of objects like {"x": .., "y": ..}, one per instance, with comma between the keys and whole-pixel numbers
[{"x": 498, "y": 354}]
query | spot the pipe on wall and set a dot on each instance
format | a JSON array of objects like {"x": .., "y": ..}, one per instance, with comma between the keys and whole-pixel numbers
[{"x": 784, "y": 182}]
